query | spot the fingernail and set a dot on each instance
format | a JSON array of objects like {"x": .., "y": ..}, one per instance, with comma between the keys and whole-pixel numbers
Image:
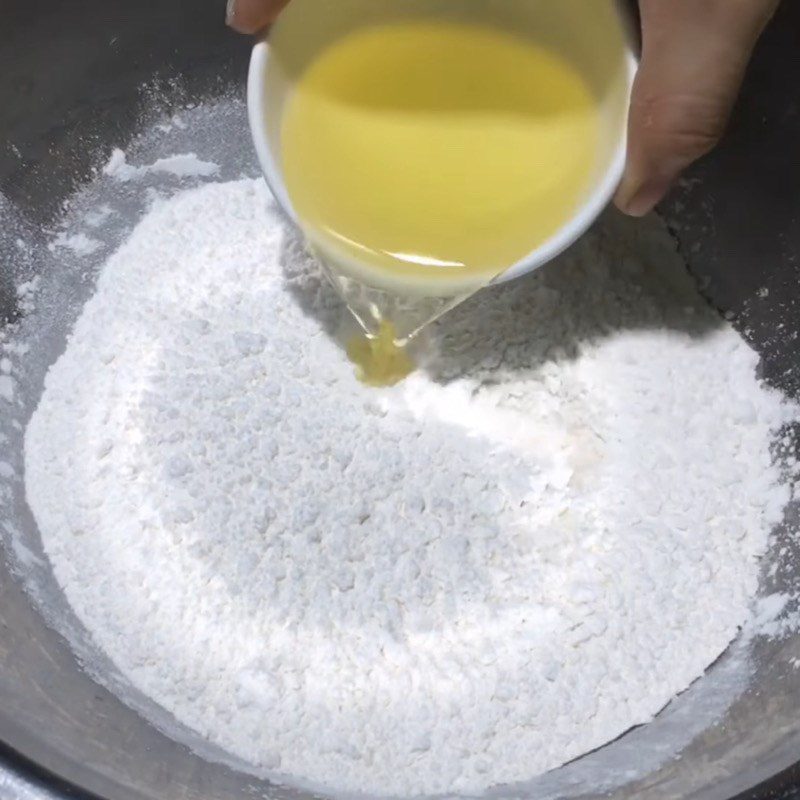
[
  {"x": 638, "y": 201},
  {"x": 230, "y": 12}
]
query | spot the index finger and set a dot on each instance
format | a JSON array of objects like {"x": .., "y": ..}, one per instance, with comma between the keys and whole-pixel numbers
[{"x": 252, "y": 16}]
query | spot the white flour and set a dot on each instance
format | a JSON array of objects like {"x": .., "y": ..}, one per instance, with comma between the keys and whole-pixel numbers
[
  {"x": 510, "y": 559},
  {"x": 181, "y": 166},
  {"x": 79, "y": 243}
]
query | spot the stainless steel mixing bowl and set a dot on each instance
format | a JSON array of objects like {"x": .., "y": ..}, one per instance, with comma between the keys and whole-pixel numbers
[{"x": 70, "y": 85}]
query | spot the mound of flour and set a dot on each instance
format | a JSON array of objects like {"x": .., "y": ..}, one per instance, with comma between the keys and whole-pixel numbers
[{"x": 506, "y": 561}]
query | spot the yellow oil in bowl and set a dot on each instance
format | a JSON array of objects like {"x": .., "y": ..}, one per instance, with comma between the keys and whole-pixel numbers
[
  {"x": 438, "y": 151},
  {"x": 430, "y": 155}
]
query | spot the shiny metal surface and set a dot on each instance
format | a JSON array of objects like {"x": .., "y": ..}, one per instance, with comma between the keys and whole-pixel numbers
[{"x": 71, "y": 74}]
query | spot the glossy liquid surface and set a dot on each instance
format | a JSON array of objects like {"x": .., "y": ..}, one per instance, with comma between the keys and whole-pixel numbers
[{"x": 433, "y": 152}]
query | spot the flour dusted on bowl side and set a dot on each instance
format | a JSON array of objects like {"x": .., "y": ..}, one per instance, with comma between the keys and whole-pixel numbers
[{"x": 528, "y": 547}]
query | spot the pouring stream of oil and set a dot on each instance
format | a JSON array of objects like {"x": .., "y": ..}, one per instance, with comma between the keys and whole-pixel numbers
[{"x": 379, "y": 359}]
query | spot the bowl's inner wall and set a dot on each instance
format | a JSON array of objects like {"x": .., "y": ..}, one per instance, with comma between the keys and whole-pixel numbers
[{"x": 70, "y": 90}]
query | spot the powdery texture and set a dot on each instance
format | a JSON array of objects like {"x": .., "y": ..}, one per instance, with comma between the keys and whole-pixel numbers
[
  {"x": 508, "y": 560},
  {"x": 184, "y": 165}
]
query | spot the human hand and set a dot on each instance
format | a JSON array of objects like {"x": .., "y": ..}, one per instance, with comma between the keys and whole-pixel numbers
[
  {"x": 252, "y": 16},
  {"x": 694, "y": 55}
]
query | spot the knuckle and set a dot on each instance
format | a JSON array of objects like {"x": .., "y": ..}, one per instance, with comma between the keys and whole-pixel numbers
[{"x": 688, "y": 124}]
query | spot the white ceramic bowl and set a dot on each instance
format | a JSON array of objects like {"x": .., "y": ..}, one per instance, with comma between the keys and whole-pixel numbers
[{"x": 593, "y": 34}]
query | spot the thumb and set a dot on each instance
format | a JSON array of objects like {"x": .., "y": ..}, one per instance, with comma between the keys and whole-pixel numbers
[{"x": 694, "y": 55}]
